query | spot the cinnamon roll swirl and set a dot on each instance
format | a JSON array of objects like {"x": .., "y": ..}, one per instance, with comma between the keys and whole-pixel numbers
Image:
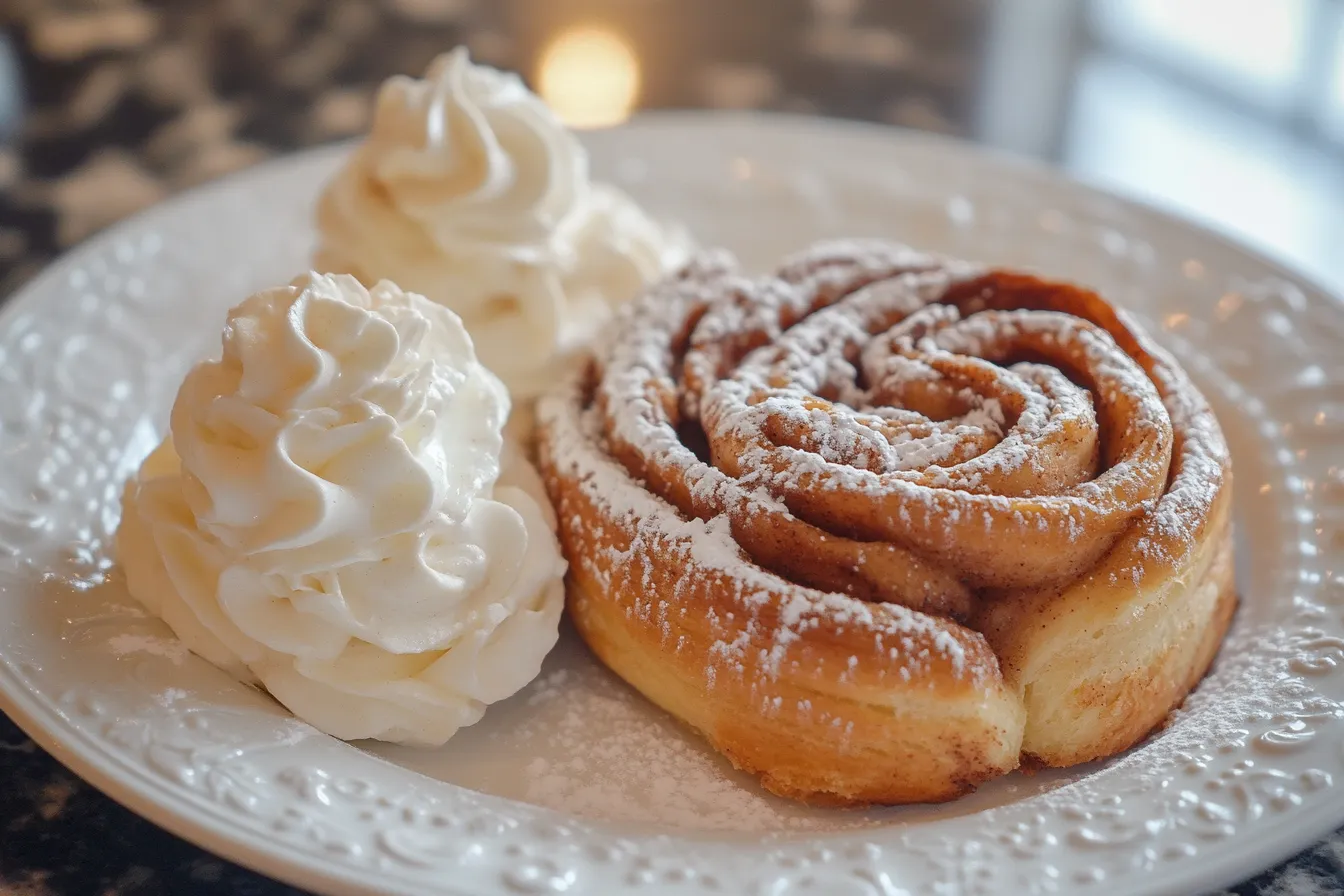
[{"x": 882, "y": 524}]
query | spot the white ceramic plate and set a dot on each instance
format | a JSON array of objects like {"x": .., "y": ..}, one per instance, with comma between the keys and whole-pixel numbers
[{"x": 576, "y": 784}]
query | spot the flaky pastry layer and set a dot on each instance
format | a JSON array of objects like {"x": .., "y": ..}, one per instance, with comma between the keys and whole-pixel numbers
[{"x": 882, "y": 525}]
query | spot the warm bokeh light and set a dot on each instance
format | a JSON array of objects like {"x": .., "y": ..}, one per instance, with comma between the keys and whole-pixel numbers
[{"x": 589, "y": 75}]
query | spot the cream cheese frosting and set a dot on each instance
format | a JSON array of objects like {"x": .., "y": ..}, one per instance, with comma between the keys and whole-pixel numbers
[
  {"x": 328, "y": 516},
  {"x": 470, "y": 191}
]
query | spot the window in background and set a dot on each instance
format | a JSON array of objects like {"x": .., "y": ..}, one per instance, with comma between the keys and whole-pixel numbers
[
  {"x": 1334, "y": 110},
  {"x": 1255, "y": 49},
  {"x": 1133, "y": 131},
  {"x": 1229, "y": 110},
  {"x": 1282, "y": 58}
]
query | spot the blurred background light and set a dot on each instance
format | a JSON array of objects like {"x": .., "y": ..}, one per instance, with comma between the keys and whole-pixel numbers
[{"x": 590, "y": 76}]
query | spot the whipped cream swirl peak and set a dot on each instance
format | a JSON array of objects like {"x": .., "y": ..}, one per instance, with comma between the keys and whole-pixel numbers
[
  {"x": 473, "y": 156},
  {"x": 469, "y": 190},
  {"x": 329, "y": 518}
]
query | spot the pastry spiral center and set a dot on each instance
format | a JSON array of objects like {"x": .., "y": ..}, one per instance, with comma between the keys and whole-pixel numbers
[{"x": 911, "y": 426}]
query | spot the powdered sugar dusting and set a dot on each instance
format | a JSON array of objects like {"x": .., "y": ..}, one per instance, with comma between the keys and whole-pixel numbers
[
  {"x": 579, "y": 741},
  {"x": 861, "y": 450},
  {"x": 128, "y": 644},
  {"x": 707, "y": 549},
  {"x": 851, "y": 374},
  {"x": 612, "y": 757}
]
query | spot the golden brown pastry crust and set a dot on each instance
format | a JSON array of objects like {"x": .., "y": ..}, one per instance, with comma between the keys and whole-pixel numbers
[{"x": 882, "y": 524}]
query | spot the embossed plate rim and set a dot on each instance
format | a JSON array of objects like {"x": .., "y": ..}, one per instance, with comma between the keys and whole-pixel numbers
[{"x": 184, "y": 811}]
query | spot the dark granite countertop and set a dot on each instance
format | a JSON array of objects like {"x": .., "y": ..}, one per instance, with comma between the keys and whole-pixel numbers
[{"x": 107, "y": 107}]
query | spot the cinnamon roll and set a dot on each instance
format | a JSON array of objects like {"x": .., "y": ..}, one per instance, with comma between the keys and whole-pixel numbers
[{"x": 883, "y": 525}]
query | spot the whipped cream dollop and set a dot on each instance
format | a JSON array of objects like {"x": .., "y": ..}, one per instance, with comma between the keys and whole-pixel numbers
[
  {"x": 328, "y": 516},
  {"x": 470, "y": 191}
]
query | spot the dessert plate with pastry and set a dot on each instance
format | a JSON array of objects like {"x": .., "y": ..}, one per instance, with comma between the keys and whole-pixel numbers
[{"x": 713, "y": 504}]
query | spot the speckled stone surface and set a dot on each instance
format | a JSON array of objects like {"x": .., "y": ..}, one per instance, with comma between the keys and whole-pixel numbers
[{"x": 107, "y": 107}]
